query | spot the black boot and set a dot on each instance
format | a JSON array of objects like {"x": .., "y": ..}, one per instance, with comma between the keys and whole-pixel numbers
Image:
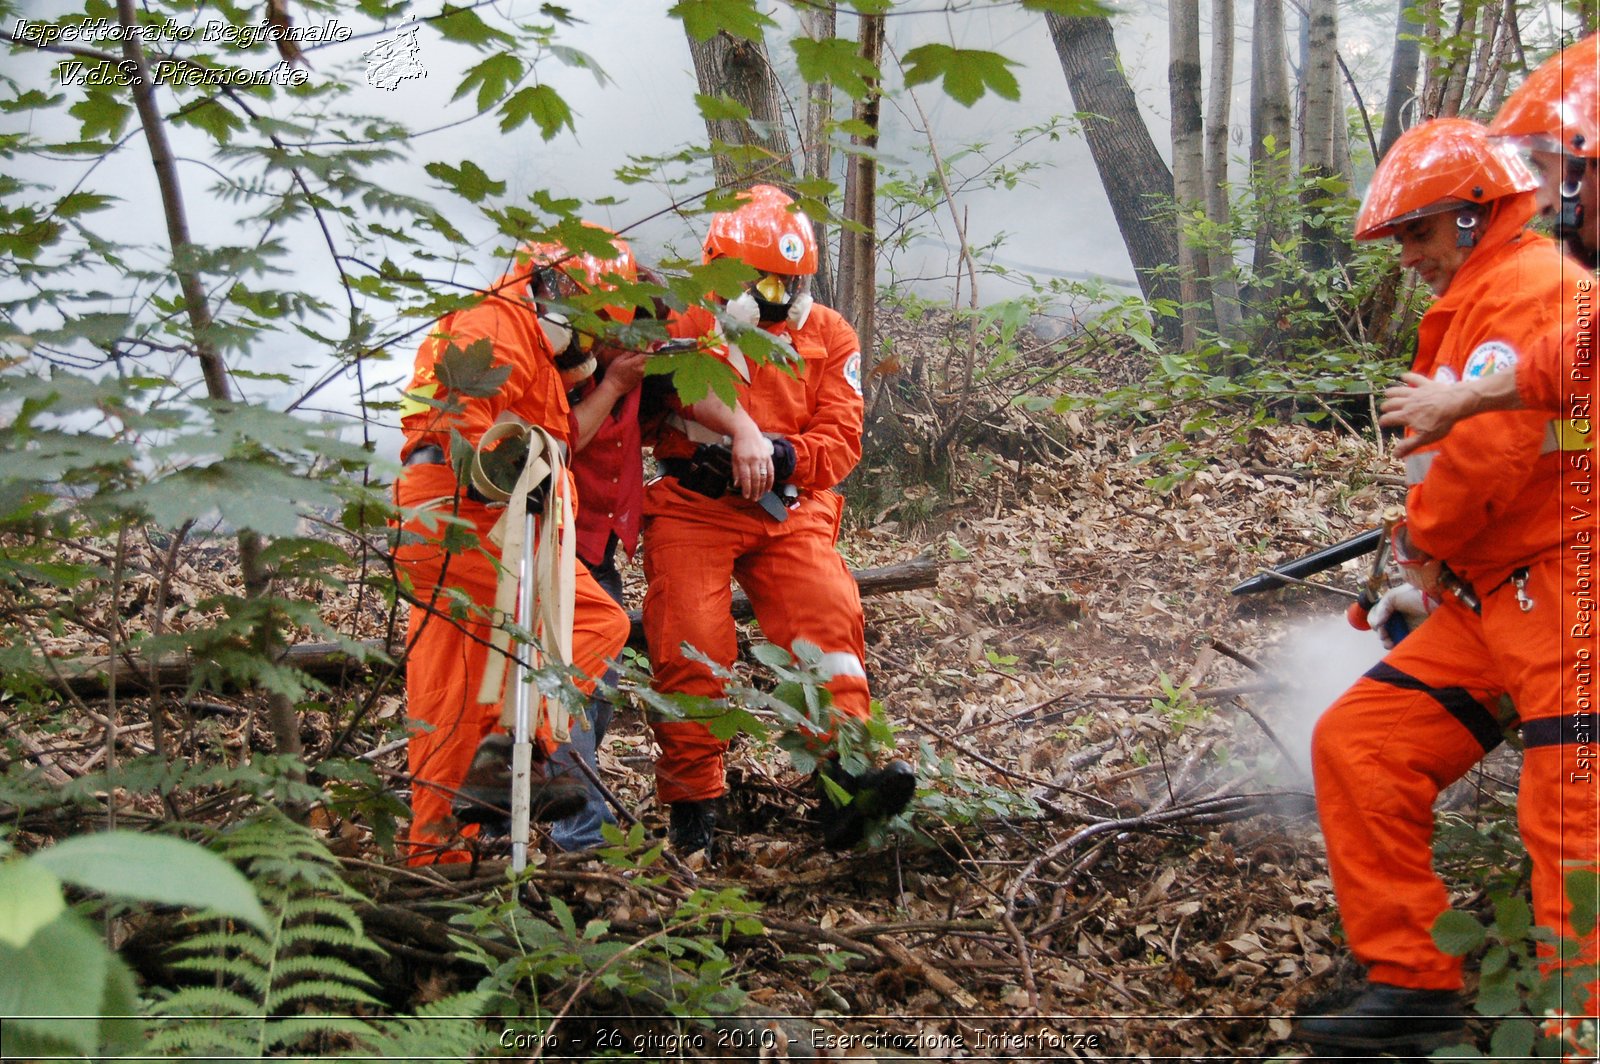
[
  {"x": 875, "y": 795},
  {"x": 484, "y": 797},
  {"x": 1386, "y": 1017},
  {"x": 693, "y": 827}
]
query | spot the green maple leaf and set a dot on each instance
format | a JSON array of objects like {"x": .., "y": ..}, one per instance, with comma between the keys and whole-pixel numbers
[
  {"x": 705, "y": 18},
  {"x": 493, "y": 77},
  {"x": 966, "y": 73},
  {"x": 471, "y": 371},
  {"x": 540, "y": 103},
  {"x": 468, "y": 180},
  {"x": 837, "y": 61}
]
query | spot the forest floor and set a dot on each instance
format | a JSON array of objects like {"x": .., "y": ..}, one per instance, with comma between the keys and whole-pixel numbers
[{"x": 1162, "y": 892}]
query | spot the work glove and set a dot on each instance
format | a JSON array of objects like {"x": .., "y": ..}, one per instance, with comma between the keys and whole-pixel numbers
[
  {"x": 1407, "y": 603},
  {"x": 782, "y": 460}
]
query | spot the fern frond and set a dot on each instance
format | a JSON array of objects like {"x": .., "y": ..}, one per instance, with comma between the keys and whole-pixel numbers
[
  {"x": 222, "y": 1038},
  {"x": 324, "y": 934},
  {"x": 246, "y": 971},
  {"x": 250, "y": 945},
  {"x": 296, "y": 1029},
  {"x": 326, "y": 967},
  {"x": 317, "y": 991},
  {"x": 439, "y": 1030},
  {"x": 206, "y": 1001},
  {"x": 305, "y": 906}
]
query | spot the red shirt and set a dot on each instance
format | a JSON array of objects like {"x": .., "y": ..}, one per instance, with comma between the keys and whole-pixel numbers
[{"x": 610, "y": 477}]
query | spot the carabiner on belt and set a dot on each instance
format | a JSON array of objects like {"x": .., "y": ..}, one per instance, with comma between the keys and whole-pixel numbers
[{"x": 1519, "y": 580}]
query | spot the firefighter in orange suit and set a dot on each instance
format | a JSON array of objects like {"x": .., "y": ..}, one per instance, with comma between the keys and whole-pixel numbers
[
  {"x": 795, "y": 434},
  {"x": 1488, "y": 534},
  {"x": 1555, "y": 116},
  {"x": 452, "y": 567}
]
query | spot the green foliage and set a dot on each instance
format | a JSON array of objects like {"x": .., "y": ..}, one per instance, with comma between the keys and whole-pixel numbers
[
  {"x": 965, "y": 73},
  {"x": 295, "y": 985},
  {"x": 535, "y": 963},
  {"x": 60, "y": 988}
]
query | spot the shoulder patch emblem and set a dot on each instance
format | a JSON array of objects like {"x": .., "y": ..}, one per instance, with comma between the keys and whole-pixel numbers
[
  {"x": 852, "y": 371},
  {"x": 1494, "y": 356},
  {"x": 791, "y": 247}
]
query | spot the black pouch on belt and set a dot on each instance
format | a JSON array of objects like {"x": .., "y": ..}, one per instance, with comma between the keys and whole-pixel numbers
[{"x": 708, "y": 473}]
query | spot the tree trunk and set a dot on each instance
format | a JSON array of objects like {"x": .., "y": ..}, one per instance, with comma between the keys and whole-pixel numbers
[
  {"x": 1188, "y": 164},
  {"x": 1269, "y": 140},
  {"x": 1135, "y": 177},
  {"x": 1224, "y": 288},
  {"x": 256, "y": 577},
  {"x": 1402, "y": 76},
  {"x": 858, "y": 245},
  {"x": 820, "y": 22},
  {"x": 1322, "y": 113},
  {"x": 750, "y": 150}
]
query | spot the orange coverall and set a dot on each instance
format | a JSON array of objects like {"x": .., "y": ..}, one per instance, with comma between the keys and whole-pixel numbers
[
  {"x": 797, "y": 583},
  {"x": 1562, "y": 382},
  {"x": 1512, "y": 515},
  {"x": 447, "y": 642}
]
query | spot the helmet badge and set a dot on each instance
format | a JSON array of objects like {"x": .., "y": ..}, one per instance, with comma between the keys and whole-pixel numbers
[{"x": 791, "y": 247}]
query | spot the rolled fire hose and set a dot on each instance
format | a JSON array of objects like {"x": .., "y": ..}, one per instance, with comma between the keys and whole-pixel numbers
[{"x": 540, "y": 594}]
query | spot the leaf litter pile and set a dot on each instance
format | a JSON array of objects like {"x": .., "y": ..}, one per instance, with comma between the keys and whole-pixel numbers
[{"x": 1115, "y": 852}]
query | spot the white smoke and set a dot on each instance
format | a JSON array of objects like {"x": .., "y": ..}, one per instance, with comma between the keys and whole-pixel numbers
[{"x": 1313, "y": 664}]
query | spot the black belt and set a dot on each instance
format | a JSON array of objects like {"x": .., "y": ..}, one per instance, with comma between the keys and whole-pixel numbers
[
  {"x": 775, "y": 503},
  {"x": 433, "y": 454},
  {"x": 426, "y": 454}
]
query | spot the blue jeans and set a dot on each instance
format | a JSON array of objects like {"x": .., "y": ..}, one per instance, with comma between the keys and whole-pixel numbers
[{"x": 581, "y": 830}]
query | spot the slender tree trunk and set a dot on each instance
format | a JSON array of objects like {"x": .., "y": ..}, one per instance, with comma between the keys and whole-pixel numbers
[
  {"x": 1402, "y": 76},
  {"x": 1134, "y": 176},
  {"x": 820, "y": 22},
  {"x": 1224, "y": 288},
  {"x": 254, "y": 574},
  {"x": 750, "y": 150},
  {"x": 858, "y": 243},
  {"x": 1188, "y": 165},
  {"x": 1322, "y": 114},
  {"x": 1269, "y": 139}
]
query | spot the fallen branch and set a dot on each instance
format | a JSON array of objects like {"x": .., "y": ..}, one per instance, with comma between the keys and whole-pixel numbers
[{"x": 92, "y": 677}]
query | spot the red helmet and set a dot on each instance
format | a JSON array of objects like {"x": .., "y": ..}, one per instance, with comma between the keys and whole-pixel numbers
[
  {"x": 1440, "y": 165},
  {"x": 1558, "y": 107},
  {"x": 562, "y": 273},
  {"x": 766, "y": 233}
]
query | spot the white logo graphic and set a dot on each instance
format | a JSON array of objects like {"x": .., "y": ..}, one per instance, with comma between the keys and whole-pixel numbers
[
  {"x": 391, "y": 61},
  {"x": 1490, "y": 358},
  {"x": 852, "y": 371},
  {"x": 1445, "y": 375},
  {"x": 791, "y": 247}
]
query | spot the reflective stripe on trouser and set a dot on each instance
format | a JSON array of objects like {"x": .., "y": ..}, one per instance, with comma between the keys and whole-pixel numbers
[
  {"x": 445, "y": 658},
  {"x": 1416, "y": 723},
  {"x": 797, "y": 583}
]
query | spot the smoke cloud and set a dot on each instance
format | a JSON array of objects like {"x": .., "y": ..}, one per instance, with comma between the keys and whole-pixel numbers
[{"x": 1313, "y": 663}]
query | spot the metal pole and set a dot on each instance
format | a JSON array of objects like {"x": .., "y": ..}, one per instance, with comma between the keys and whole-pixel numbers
[{"x": 522, "y": 707}]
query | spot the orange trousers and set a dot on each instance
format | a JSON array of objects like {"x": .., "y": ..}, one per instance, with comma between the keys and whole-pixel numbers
[
  {"x": 1425, "y": 715},
  {"x": 797, "y": 583},
  {"x": 447, "y": 651}
]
